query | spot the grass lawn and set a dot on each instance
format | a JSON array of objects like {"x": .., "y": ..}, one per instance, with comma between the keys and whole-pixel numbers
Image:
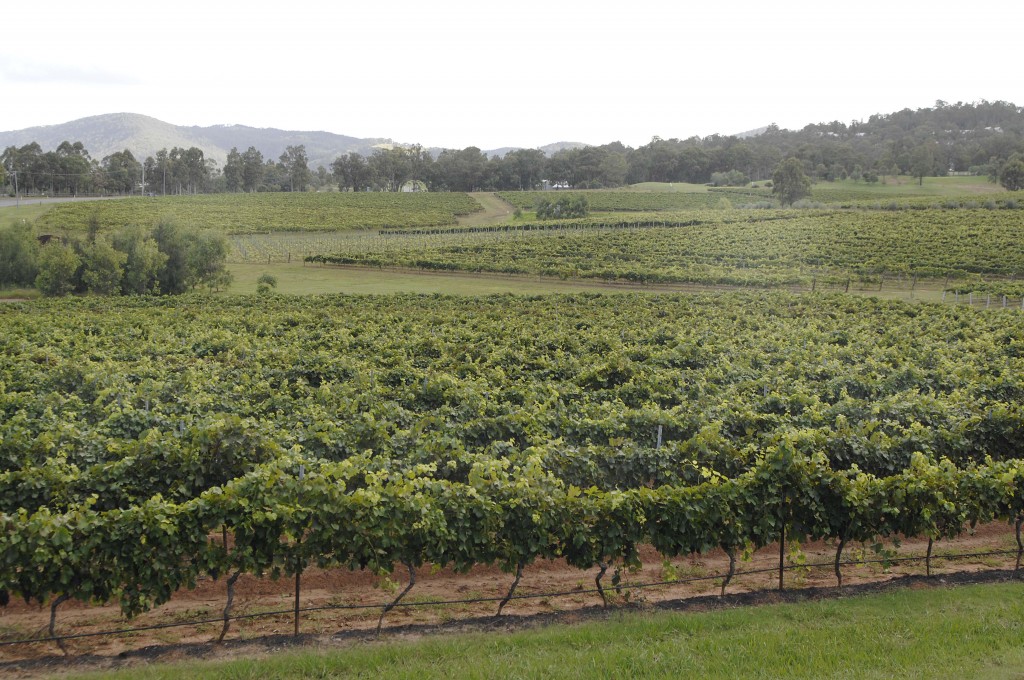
[
  {"x": 295, "y": 279},
  {"x": 26, "y": 211},
  {"x": 964, "y": 632},
  {"x": 905, "y": 186},
  {"x": 678, "y": 187}
]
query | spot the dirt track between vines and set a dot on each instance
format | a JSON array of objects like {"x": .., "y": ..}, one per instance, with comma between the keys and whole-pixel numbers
[
  {"x": 496, "y": 211},
  {"x": 696, "y": 584}
]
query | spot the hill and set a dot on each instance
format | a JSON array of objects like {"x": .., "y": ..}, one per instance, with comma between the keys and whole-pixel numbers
[
  {"x": 143, "y": 135},
  {"x": 108, "y": 133},
  {"x": 548, "y": 149}
]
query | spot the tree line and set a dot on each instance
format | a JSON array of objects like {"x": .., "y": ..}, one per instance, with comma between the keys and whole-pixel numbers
[
  {"x": 71, "y": 170},
  {"x": 980, "y": 138},
  {"x": 166, "y": 259}
]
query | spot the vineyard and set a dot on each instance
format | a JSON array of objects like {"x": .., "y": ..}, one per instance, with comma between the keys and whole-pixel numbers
[
  {"x": 148, "y": 444},
  {"x": 270, "y": 212},
  {"x": 745, "y": 248}
]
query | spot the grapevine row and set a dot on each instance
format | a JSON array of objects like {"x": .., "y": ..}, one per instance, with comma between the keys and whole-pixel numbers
[{"x": 284, "y": 517}]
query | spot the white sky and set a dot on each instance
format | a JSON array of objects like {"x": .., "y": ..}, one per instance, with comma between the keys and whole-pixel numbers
[{"x": 455, "y": 74}]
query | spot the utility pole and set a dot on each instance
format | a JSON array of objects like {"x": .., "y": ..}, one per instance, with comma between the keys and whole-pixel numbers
[{"x": 17, "y": 198}]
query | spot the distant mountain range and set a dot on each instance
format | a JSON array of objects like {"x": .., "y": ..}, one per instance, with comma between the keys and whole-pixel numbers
[{"x": 144, "y": 136}]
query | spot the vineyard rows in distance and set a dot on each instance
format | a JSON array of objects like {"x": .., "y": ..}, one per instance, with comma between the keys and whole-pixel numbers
[
  {"x": 262, "y": 213},
  {"x": 732, "y": 247}
]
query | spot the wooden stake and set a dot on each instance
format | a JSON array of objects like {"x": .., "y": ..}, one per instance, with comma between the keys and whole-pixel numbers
[
  {"x": 298, "y": 586},
  {"x": 782, "y": 557}
]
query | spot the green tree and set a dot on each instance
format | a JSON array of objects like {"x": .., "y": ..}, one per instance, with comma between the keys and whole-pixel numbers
[
  {"x": 172, "y": 241},
  {"x": 233, "y": 170},
  {"x": 1011, "y": 175},
  {"x": 193, "y": 258},
  {"x": 73, "y": 164},
  {"x": 19, "y": 251},
  {"x": 527, "y": 167},
  {"x": 922, "y": 162},
  {"x": 58, "y": 269},
  {"x": 460, "y": 170},
  {"x": 143, "y": 261},
  {"x": 190, "y": 169},
  {"x": 296, "y": 166},
  {"x": 351, "y": 172},
  {"x": 390, "y": 168},
  {"x": 207, "y": 255},
  {"x": 789, "y": 182},
  {"x": 123, "y": 172},
  {"x": 102, "y": 267},
  {"x": 252, "y": 169},
  {"x": 613, "y": 169}
]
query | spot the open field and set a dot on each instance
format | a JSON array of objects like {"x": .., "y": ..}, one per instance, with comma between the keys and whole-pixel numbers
[
  {"x": 902, "y": 186},
  {"x": 299, "y": 278},
  {"x": 27, "y": 212}
]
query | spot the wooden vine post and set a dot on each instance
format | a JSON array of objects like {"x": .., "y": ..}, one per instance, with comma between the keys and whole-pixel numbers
[
  {"x": 782, "y": 557},
  {"x": 839, "y": 555},
  {"x": 1020, "y": 545},
  {"x": 298, "y": 586}
]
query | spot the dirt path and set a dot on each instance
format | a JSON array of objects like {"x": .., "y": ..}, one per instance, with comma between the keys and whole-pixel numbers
[
  {"x": 552, "y": 589},
  {"x": 495, "y": 211}
]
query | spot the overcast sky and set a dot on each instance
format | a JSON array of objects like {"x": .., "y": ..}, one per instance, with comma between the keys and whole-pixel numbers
[{"x": 455, "y": 74}]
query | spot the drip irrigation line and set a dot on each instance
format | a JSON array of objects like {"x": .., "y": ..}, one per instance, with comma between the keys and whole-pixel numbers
[{"x": 483, "y": 600}]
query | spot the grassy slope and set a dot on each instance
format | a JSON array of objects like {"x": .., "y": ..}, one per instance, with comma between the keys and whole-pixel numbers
[
  {"x": 676, "y": 187},
  {"x": 27, "y": 211},
  {"x": 964, "y": 632},
  {"x": 908, "y": 186}
]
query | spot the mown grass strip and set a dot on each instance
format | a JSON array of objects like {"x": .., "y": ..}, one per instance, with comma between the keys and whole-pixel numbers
[{"x": 964, "y": 632}]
